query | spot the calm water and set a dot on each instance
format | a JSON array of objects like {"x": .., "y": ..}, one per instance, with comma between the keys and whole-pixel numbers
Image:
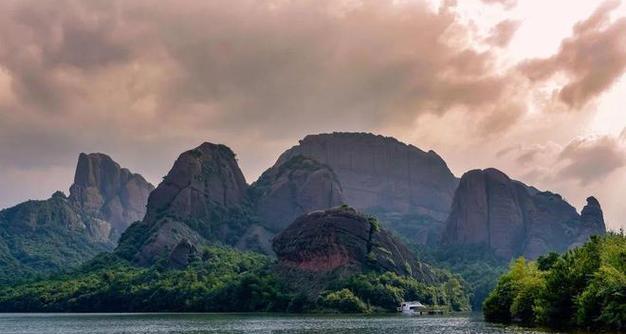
[{"x": 243, "y": 323}]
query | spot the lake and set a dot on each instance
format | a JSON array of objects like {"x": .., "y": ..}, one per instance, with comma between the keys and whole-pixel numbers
[{"x": 247, "y": 323}]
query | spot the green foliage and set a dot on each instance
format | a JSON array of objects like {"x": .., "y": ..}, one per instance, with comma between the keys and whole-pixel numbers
[
  {"x": 585, "y": 287},
  {"x": 515, "y": 294},
  {"x": 477, "y": 265},
  {"x": 546, "y": 262},
  {"x": 220, "y": 280},
  {"x": 374, "y": 224},
  {"x": 41, "y": 237},
  {"x": 386, "y": 291},
  {"x": 343, "y": 301}
]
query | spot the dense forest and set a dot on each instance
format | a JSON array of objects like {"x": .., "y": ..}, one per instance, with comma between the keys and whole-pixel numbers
[
  {"x": 584, "y": 288},
  {"x": 218, "y": 280},
  {"x": 477, "y": 265}
]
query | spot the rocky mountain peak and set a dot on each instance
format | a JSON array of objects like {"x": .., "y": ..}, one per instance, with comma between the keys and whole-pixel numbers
[
  {"x": 514, "y": 219},
  {"x": 205, "y": 176},
  {"x": 297, "y": 186},
  {"x": 200, "y": 200},
  {"x": 382, "y": 172},
  {"x": 592, "y": 216},
  {"x": 409, "y": 189},
  {"x": 106, "y": 191}
]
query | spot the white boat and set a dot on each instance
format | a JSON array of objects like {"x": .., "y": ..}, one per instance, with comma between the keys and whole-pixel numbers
[{"x": 413, "y": 308}]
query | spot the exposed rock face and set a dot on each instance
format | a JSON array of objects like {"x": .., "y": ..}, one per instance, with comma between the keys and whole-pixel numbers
[
  {"x": 592, "y": 214},
  {"x": 340, "y": 242},
  {"x": 60, "y": 232},
  {"x": 592, "y": 221},
  {"x": 182, "y": 253},
  {"x": 298, "y": 186},
  {"x": 104, "y": 190},
  {"x": 201, "y": 199},
  {"x": 200, "y": 179},
  {"x": 409, "y": 189},
  {"x": 513, "y": 219}
]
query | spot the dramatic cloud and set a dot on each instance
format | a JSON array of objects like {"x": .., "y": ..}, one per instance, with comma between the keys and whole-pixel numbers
[
  {"x": 592, "y": 159},
  {"x": 585, "y": 159},
  {"x": 144, "y": 80},
  {"x": 81, "y": 75},
  {"x": 592, "y": 59}
]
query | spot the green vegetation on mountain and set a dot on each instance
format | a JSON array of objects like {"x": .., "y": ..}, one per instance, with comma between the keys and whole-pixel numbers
[
  {"x": 477, "y": 265},
  {"x": 217, "y": 280},
  {"x": 41, "y": 237},
  {"x": 585, "y": 288},
  {"x": 38, "y": 238}
]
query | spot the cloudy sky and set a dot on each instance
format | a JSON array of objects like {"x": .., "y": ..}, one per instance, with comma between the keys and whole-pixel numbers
[{"x": 535, "y": 88}]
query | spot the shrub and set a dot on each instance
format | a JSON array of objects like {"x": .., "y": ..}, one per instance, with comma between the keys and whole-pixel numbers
[{"x": 344, "y": 301}]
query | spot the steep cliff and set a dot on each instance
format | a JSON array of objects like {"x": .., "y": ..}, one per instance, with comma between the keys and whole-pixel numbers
[
  {"x": 104, "y": 190},
  {"x": 324, "y": 245},
  {"x": 45, "y": 236},
  {"x": 202, "y": 199},
  {"x": 410, "y": 190},
  {"x": 513, "y": 219},
  {"x": 298, "y": 186}
]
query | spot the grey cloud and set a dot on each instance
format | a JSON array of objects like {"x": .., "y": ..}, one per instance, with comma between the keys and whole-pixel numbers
[
  {"x": 593, "y": 58},
  {"x": 192, "y": 69},
  {"x": 144, "y": 80},
  {"x": 592, "y": 159}
]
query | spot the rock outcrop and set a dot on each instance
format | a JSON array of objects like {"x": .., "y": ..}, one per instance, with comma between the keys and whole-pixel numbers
[
  {"x": 60, "y": 232},
  {"x": 298, "y": 186},
  {"x": 324, "y": 245},
  {"x": 104, "y": 190},
  {"x": 408, "y": 189},
  {"x": 591, "y": 222},
  {"x": 513, "y": 219},
  {"x": 202, "y": 199}
]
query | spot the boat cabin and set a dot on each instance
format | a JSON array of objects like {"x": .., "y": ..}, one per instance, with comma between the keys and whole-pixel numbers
[{"x": 413, "y": 308}]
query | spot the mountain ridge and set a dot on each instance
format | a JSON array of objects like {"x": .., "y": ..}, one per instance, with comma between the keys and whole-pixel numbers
[{"x": 43, "y": 236}]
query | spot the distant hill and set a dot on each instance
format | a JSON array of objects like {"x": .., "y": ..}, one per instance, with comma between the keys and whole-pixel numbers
[{"x": 38, "y": 237}]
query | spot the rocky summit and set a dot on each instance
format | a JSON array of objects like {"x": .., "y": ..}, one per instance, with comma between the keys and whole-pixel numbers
[
  {"x": 104, "y": 190},
  {"x": 202, "y": 199},
  {"x": 410, "y": 190},
  {"x": 298, "y": 186},
  {"x": 45, "y": 236},
  {"x": 514, "y": 219},
  {"x": 324, "y": 245}
]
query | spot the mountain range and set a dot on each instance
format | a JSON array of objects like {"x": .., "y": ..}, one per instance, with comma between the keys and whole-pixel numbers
[{"x": 205, "y": 200}]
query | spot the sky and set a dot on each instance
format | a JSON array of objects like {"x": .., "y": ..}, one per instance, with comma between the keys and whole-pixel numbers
[{"x": 534, "y": 88}]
